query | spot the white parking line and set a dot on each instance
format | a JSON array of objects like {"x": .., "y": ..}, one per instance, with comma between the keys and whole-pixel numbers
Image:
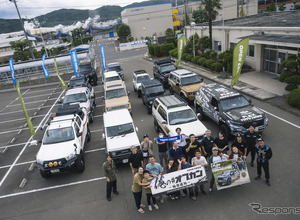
[
  {"x": 12, "y": 145},
  {"x": 26, "y": 103},
  {"x": 14, "y": 100},
  {"x": 30, "y": 109},
  {"x": 41, "y": 90},
  {"x": 29, "y": 97},
  {"x": 96, "y": 130},
  {"x": 20, "y": 119},
  {"x": 51, "y": 187},
  {"x": 275, "y": 116},
  {"x": 10, "y": 131}
]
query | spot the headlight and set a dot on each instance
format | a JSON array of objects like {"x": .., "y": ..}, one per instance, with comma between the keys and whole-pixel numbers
[
  {"x": 128, "y": 105},
  {"x": 150, "y": 102},
  {"x": 266, "y": 120},
  {"x": 71, "y": 156},
  {"x": 113, "y": 153}
]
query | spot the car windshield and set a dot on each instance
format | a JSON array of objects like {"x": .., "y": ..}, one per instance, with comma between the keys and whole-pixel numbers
[
  {"x": 75, "y": 82},
  {"x": 234, "y": 102},
  {"x": 154, "y": 91},
  {"x": 181, "y": 117},
  {"x": 58, "y": 135},
  {"x": 114, "y": 68},
  {"x": 167, "y": 68},
  {"x": 115, "y": 93},
  {"x": 84, "y": 67},
  {"x": 79, "y": 97},
  {"x": 119, "y": 130},
  {"x": 113, "y": 78},
  {"x": 140, "y": 79},
  {"x": 190, "y": 80}
]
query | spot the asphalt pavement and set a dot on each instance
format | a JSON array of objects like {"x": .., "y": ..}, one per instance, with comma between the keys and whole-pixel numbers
[{"x": 72, "y": 195}]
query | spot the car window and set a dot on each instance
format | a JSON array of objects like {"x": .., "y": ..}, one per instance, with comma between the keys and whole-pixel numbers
[
  {"x": 58, "y": 135},
  {"x": 167, "y": 68},
  {"x": 234, "y": 102},
  {"x": 77, "y": 129},
  {"x": 78, "y": 121},
  {"x": 214, "y": 102},
  {"x": 190, "y": 80},
  {"x": 114, "y": 68},
  {"x": 180, "y": 117},
  {"x": 79, "y": 97},
  {"x": 162, "y": 113},
  {"x": 155, "y": 104},
  {"x": 140, "y": 79},
  {"x": 113, "y": 78},
  {"x": 115, "y": 93},
  {"x": 119, "y": 130}
]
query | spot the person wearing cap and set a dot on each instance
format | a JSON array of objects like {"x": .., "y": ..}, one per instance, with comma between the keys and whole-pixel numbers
[
  {"x": 240, "y": 144},
  {"x": 264, "y": 154},
  {"x": 146, "y": 148},
  {"x": 207, "y": 144},
  {"x": 250, "y": 137},
  {"x": 110, "y": 172},
  {"x": 216, "y": 157}
]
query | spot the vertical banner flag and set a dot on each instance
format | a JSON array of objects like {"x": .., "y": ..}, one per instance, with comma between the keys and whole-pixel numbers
[
  {"x": 180, "y": 44},
  {"x": 103, "y": 56},
  {"x": 74, "y": 61},
  {"x": 12, "y": 70},
  {"x": 239, "y": 55},
  {"x": 62, "y": 82},
  {"x": 46, "y": 73},
  {"x": 29, "y": 123}
]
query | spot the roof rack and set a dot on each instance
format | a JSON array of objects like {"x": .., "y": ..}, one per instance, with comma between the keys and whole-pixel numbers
[
  {"x": 69, "y": 110},
  {"x": 140, "y": 72},
  {"x": 168, "y": 60},
  {"x": 172, "y": 101}
]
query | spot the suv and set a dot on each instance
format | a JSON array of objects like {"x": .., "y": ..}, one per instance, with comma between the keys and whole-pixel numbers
[
  {"x": 116, "y": 67},
  {"x": 86, "y": 68},
  {"x": 229, "y": 109},
  {"x": 185, "y": 83},
  {"x": 119, "y": 134},
  {"x": 81, "y": 81},
  {"x": 227, "y": 177},
  {"x": 110, "y": 76},
  {"x": 138, "y": 77},
  {"x": 64, "y": 141},
  {"x": 83, "y": 97},
  {"x": 171, "y": 112},
  {"x": 161, "y": 70},
  {"x": 151, "y": 89},
  {"x": 115, "y": 96}
]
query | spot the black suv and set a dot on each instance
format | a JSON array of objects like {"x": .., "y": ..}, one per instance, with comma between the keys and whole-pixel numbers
[
  {"x": 86, "y": 68},
  {"x": 229, "y": 109},
  {"x": 161, "y": 70},
  {"x": 150, "y": 90}
]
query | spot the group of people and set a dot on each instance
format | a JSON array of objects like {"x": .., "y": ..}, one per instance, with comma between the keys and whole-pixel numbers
[{"x": 182, "y": 154}]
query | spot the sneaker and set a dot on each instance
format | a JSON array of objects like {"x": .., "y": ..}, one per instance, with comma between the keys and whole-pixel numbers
[
  {"x": 156, "y": 206},
  {"x": 203, "y": 192},
  {"x": 142, "y": 206},
  {"x": 162, "y": 200},
  {"x": 108, "y": 199},
  {"x": 117, "y": 193},
  {"x": 252, "y": 164},
  {"x": 150, "y": 207},
  {"x": 140, "y": 210},
  {"x": 183, "y": 195},
  {"x": 172, "y": 197},
  {"x": 257, "y": 178},
  {"x": 268, "y": 183},
  {"x": 194, "y": 198},
  {"x": 210, "y": 191}
]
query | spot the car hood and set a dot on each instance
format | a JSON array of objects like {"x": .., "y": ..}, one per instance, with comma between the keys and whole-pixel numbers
[
  {"x": 119, "y": 142},
  {"x": 56, "y": 151},
  {"x": 151, "y": 98},
  {"x": 116, "y": 101},
  {"x": 193, "y": 87},
  {"x": 245, "y": 114},
  {"x": 195, "y": 127}
]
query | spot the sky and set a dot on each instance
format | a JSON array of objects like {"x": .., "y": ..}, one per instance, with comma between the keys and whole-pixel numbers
[{"x": 33, "y": 8}]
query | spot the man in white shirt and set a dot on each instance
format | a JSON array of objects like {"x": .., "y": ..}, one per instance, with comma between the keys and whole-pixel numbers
[
  {"x": 182, "y": 142},
  {"x": 199, "y": 160}
]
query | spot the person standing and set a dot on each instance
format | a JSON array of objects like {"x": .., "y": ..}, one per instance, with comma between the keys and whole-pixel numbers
[
  {"x": 162, "y": 150},
  {"x": 221, "y": 142},
  {"x": 240, "y": 144},
  {"x": 192, "y": 147},
  {"x": 207, "y": 144},
  {"x": 182, "y": 141},
  {"x": 148, "y": 191},
  {"x": 110, "y": 172},
  {"x": 183, "y": 164},
  {"x": 251, "y": 137},
  {"x": 135, "y": 160},
  {"x": 199, "y": 160},
  {"x": 264, "y": 154},
  {"x": 171, "y": 167},
  {"x": 136, "y": 189},
  {"x": 175, "y": 152},
  {"x": 147, "y": 149}
]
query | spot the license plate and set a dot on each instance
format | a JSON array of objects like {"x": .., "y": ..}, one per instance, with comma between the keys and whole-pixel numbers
[
  {"x": 125, "y": 160},
  {"x": 55, "y": 171}
]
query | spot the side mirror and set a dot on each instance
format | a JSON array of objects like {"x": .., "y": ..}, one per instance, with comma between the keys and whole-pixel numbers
[
  {"x": 79, "y": 134},
  {"x": 93, "y": 96},
  {"x": 137, "y": 129},
  {"x": 164, "y": 122},
  {"x": 103, "y": 136}
]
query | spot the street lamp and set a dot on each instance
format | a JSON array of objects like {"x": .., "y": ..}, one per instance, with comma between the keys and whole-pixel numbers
[{"x": 193, "y": 27}]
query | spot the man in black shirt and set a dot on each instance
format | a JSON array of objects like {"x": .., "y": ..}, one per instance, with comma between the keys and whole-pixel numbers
[
  {"x": 192, "y": 146},
  {"x": 264, "y": 154},
  {"x": 207, "y": 144},
  {"x": 135, "y": 160},
  {"x": 162, "y": 150},
  {"x": 251, "y": 137},
  {"x": 240, "y": 144},
  {"x": 221, "y": 142}
]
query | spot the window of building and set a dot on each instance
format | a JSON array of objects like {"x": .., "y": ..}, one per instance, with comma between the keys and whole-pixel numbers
[
  {"x": 250, "y": 52},
  {"x": 162, "y": 113},
  {"x": 232, "y": 45},
  {"x": 218, "y": 46}
]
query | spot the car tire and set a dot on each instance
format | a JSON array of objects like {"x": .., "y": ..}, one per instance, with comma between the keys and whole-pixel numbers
[
  {"x": 134, "y": 88},
  {"x": 229, "y": 181},
  {"x": 91, "y": 117},
  {"x": 199, "y": 111},
  {"x": 225, "y": 131},
  {"x": 88, "y": 135},
  {"x": 139, "y": 94},
  {"x": 149, "y": 111},
  {"x": 156, "y": 126},
  {"x": 143, "y": 102},
  {"x": 95, "y": 80},
  {"x": 80, "y": 164},
  {"x": 171, "y": 90},
  {"x": 44, "y": 174}
]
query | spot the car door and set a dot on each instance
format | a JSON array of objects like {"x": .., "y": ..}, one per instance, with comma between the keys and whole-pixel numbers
[
  {"x": 176, "y": 87},
  {"x": 214, "y": 110},
  {"x": 162, "y": 117},
  {"x": 79, "y": 138},
  {"x": 134, "y": 81}
]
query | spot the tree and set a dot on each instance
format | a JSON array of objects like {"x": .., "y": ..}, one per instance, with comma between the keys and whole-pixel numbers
[
  {"x": 203, "y": 43},
  {"x": 281, "y": 7},
  {"x": 123, "y": 31},
  {"x": 169, "y": 32},
  {"x": 242, "y": 11},
  {"x": 272, "y": 7},
  {"x": 199, "y": 16},
  {"x": 210, "y": 8},
  {"x": 19, "y": 45},
  {"x": 188, "y": 20},
  {"x": 78, "y": 33}
]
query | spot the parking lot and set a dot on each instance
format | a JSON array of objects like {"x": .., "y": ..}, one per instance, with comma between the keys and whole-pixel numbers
[{"x": 24, "y": 194}]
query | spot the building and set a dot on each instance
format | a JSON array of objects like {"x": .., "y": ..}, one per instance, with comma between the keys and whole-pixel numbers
[
  {"x": 148, "y": 20},
  {"x": 273, "y": 36}
]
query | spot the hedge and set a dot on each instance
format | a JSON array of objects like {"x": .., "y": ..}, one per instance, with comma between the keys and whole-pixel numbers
[
  {"x": 165, "y": 48},
  {"x": 217, "y": 67},
  {"x": 291, "y": 87},
  {"x": 201, "y": 61},
  {"x": 285, "y": 74},
  {"x": 293, "y": 79},
  {"x": 171, "y": 40},
  {"x": 156, "y": 49},
  {"x": 294, "y": 98},
  {"x": 184, "y": 55},
  {"x": 194, "y": 59},
  {"x": 207, "y": 63},
  {"x": 189, "y": 57},
  {"x": 175, "y": 54}
]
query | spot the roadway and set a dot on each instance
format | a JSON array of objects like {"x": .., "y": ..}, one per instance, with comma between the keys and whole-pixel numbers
[{"x": 82, "y": 196}]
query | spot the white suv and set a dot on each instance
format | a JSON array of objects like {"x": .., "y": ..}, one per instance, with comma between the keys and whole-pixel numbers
[
  {"x": 119, "y": 134},
  {"x": 64, "y": 141},
  {"x": 137, "y": 78},
  {"x": 110, "y": 76},
  {"x": 171, "y": 112}
]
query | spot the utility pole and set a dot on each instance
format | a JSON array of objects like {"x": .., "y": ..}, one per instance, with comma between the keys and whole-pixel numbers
[
  {"x": 185, "y": 19},
  {"x": 238, "y": 8},
  {"x": 31, "y": 51}
]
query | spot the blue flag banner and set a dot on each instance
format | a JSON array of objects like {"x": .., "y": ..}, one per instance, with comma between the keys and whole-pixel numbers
[
  {"x": 166, "y": 139},
  {"x": 75, "y": 62},
  {"x": 103, "y": 56},
  {"x": 46, "y": 73},
  {"x": 12, "y": 70}
]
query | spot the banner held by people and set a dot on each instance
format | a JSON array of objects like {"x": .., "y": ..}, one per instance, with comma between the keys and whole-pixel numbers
[
  {"x": 102, "y": 50},
  {"x": 180, "y": 45},
  {"x": 239, "y": 55},
  {"x": 45, "y": 70},
  {"x": 230, "y": 173},
  {"x": 62, "y": 82},
  {"x": 167, "y": 139},
  {"x": 178, "y": 180},
  {"x": 12, "y": 70},
  {"x": 74, "y": 61}
]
